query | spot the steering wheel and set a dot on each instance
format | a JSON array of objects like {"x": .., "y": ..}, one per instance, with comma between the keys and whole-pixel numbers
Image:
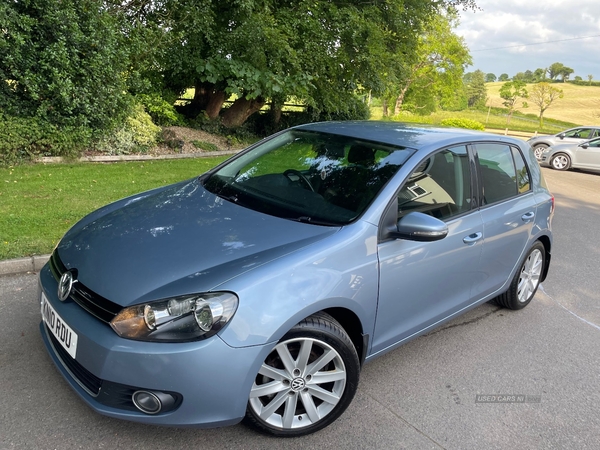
[{"x": 300, "y": 175}]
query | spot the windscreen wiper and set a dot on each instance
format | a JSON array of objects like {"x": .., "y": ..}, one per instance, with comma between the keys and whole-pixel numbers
[{"x": 313, "y": 221}]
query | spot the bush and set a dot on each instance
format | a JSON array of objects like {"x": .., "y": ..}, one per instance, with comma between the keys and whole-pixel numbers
[
  {"x": 162, "y": 112},
  {"x": 463, "y": 123},
  {"x": 136, "y": 135},
  {"x": 66, "y": 62},
  {"x": 26, "y": 138},
  {"x": 406, "y": 116}
]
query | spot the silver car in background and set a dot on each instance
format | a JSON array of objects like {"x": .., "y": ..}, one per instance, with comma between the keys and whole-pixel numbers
[
  {"x": 577, "y": 156},
  {"x": 571, "y": 136}
]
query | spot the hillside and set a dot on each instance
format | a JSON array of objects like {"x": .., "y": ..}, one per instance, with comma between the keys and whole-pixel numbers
[{"x": 580, "y": 104}]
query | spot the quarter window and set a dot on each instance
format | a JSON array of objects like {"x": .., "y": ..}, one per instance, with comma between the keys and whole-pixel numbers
[
  {"x": 523, "y": 184},
  {"x": 440, "y": 186}
]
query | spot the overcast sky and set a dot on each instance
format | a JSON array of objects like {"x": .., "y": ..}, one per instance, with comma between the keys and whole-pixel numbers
[{"x": 516, "y": 23}]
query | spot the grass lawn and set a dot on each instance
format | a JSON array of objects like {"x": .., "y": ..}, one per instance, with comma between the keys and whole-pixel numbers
[{"x": 39, "y": 203}]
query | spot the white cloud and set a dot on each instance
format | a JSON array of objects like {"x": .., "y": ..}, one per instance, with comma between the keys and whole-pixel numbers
[{"x": 512, "y": 36}]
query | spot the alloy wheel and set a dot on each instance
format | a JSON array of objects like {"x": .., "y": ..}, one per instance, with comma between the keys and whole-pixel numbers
[
  {"x": 300, "y": 382},
  {"x": 530, "y": 275}
]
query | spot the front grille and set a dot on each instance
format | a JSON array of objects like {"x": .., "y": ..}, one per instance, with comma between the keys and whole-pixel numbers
[
  {"x": 87, "y": 380},
  {"x": 95, "y": 304}
]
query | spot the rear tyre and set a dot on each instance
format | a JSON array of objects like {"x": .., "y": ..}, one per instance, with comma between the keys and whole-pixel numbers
[
  {"x": 560, "y": 161},
  {"x": 306, "y": 382},
  {"x": 526, "y": 281}
]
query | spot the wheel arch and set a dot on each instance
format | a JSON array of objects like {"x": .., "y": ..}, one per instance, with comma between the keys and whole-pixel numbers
[
  {"x": 353, "y": 326},
  {"x": 545, "y": 240}
]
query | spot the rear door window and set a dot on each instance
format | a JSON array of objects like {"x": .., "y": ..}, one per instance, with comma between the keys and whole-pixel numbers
[{"x": 503, "y": 171}]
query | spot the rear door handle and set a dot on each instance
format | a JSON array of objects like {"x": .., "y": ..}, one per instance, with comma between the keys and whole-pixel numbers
[
  {"x": 527, "y": 217},
  {"x": 473, "y": 238}
]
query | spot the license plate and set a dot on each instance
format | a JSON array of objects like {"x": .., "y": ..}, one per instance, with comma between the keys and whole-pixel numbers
[{"x": 63, "y": 333}]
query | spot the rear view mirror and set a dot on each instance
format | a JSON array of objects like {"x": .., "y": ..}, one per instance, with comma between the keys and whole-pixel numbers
[
  {"x": 561, "y": 135},
  {"x": 585, "y": 145}
]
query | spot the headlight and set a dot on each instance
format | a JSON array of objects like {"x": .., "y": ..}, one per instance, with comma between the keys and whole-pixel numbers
[{"x": 178, "y": 319}]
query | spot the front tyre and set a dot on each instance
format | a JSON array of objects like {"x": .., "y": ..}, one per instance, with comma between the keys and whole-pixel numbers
[
  {"x": 306, "y": 382},
  {"x": 526, "y": 281},
  {"x": 560, "y": 161},
  {"x": 538, "y": 150}
]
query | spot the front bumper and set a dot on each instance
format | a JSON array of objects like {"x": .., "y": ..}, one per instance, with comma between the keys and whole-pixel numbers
[
  {"x": 544, "y": 160},
  {"x": 210, "y": 380}
]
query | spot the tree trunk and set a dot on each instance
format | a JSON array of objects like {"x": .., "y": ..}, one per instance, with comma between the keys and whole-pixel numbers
[
  {"x": 384, "y": 103},
  {"x": 209, "y": 99},
  {"x": 241, "y": 109},
  {"x": 400, "y": 99},
  {"x": 276, "y": 110},
  {"x": 201, "y": 95},
  {"x": 215, "y": 103}
]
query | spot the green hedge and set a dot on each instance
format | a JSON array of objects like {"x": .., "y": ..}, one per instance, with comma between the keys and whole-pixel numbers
[
  {"x": 463, "y": 123},
  {"x": 26, "y": 138}
]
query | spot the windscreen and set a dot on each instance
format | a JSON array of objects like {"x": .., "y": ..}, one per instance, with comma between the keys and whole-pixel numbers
[{"x": 307, "y": 176}]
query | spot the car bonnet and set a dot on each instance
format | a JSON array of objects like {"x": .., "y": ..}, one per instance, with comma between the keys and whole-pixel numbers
[{"x": 180, "y": 240}]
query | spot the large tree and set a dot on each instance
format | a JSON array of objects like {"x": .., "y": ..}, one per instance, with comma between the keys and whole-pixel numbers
[
  {"x": 437, "y": 64},
  {"x": 559, "y": 70},
  {"x": 475, "y": 88},
  {"x": 268, "y": 50},
  {"x": 543, "y": 95}
]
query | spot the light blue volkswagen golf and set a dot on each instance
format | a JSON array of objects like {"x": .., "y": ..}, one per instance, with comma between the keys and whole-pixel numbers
[{"x": 258, "y": 290}]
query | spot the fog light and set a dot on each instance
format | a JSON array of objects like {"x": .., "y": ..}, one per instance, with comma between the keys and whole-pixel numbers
[
  {"x": 146, "y": 402},
  {"x": 153, "y": 402}
]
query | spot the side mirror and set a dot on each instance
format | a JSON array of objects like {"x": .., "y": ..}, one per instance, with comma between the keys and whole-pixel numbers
[
  {"x": 561, "y": 135},
  {"x": 416, "y": 226},
  {"x": 585, "y": 145}
]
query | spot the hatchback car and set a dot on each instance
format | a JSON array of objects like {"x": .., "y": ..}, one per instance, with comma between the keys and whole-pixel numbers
[
  {"x": 570, "y": 136},
  {"x": 566, "y": 156},
  {"x": 258, "y": 290}
]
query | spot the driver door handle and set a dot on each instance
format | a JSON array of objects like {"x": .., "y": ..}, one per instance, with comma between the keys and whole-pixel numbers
[{"x": 473, "y": 238}]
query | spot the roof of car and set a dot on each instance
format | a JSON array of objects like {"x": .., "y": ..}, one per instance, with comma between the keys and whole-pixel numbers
[{"x": 400, "y": 134}]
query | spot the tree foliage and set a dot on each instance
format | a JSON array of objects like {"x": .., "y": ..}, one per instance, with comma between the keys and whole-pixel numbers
[
  {"x": 62, "y": 62},
  {"x": 559, "y": 70},
  {"x": 543, "y": 95},
  {"x": 268, "y": 50},
  {"x": 435, "y": 70},
  {"x": 511, "y": 92},
  {"x": 476, "y": 89},
  {"x": 82, "y": 63}
]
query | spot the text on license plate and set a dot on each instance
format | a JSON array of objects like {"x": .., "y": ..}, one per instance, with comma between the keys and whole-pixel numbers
[{"x": 61, "y": 331}]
